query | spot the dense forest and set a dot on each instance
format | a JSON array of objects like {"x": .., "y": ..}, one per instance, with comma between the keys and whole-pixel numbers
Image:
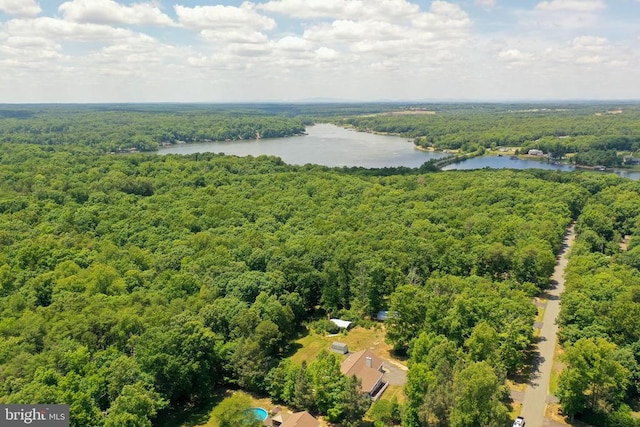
[
  {"x": 132, "y": 286},
  {"x": 600, "y": 318},
  {"x": 118, "y": 130}
]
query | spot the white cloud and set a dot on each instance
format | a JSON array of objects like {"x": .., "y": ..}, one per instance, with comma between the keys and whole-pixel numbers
[
  {"x": 515, "y": 56},
  {"x": 110, "y": 11},
  {"x": 27, "y": 42},
  {"x": 354, "y": 31},
  {"x": 296, "y": 49},
  {"x": 445, "y": 18},
  {"x": 486, "y": 3},
  {"x": 221, "y": 17},
  {"x": 326, "y": 54},
  {"x": 28, "y": 52},
  {"x": 582, "y": 50},
  {"x": 294, "y": 44},
  {"x": 343, "y": 9},
  {"x": 572, "y": 5},
  {"x": 234, "y": 36},
  {"x": 20, "y": 7},
  {"x": 590, "y": 43},
  {"x": 138, "y": 55},
  {"x": 443, "y": 24},
  {"x": 57, "y": 29},
  {"x": 589, "y": 59},
  {"x": 250, "y": 50}
]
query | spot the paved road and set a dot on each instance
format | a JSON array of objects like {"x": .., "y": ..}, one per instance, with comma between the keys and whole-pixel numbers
[{"x": 536, "y": 394}]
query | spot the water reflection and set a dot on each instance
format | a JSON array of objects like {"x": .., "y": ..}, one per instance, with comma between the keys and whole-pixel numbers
[
  {"x": 326, "y": 145},
  {"x": 507, "y": 162},
  {"x": 333, "y": 146}
]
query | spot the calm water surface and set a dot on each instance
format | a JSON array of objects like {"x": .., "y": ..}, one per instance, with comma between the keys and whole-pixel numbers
[
  {"x": 326, "y": 145},
  {"x": 333, "y": 146},
  {"x": 506, "y": 162}
]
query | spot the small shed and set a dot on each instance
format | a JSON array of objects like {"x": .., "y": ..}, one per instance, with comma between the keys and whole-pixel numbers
[
  {"x": 340, "y": 348},
  {"x": 342, "y": 324}
]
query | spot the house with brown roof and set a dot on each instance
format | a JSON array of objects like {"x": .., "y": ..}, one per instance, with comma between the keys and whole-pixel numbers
[
  {"x": 368, "y": 368},
  {"x": 299, "y": 419}
]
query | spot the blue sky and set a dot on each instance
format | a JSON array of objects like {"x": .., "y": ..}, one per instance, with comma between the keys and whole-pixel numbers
[{"x": 297, "y": 50}]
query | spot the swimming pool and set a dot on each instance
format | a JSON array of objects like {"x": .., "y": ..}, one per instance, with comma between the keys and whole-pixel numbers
[{"x": 259, "y": 413}]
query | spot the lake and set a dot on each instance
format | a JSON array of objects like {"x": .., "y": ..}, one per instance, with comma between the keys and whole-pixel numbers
[
  {"x": 333, "y": 146},
  {"x": 324, "y": 144},
  {"x": 506, "y": 162}
]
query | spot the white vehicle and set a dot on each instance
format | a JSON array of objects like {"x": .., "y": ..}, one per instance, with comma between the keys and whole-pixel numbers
[{"x": 519, "y": 422}]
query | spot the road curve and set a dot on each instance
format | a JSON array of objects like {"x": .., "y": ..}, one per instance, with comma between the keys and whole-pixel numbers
[{"x": 535, "y": 396}]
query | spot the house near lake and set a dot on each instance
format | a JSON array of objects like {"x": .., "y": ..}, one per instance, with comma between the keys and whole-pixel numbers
[{"x": 368, "y": 368}]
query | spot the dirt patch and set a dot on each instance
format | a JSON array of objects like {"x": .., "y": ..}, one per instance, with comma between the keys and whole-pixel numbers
[{"x": 625, "y": 243}]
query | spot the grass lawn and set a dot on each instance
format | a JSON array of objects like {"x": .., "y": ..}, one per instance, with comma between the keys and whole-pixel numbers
[
  {"x": 310, "y": 345},
  {"x": 357, "y": 339},
  {"x": 557, "y": 369},
  {"x": 394, "y": 391},
  {"x": 540, "y": 316}
]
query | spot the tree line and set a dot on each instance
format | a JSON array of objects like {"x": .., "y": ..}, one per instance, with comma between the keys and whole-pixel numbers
[
  {"x": 125, "y": 129},
  {"x": 600, "y": 317}
]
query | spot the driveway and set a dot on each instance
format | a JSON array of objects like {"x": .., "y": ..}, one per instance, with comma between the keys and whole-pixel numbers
[
  {"x": 394, "y": 374},
  {"x": 536, "y": 395}
]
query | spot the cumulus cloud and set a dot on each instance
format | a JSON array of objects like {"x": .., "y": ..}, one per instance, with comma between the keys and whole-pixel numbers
[
  {"x": 20, "y": 7},
  {"x": 57, "y": 29},
  {"x": 268, "y": 49},
  {"x": 291, "y": 43},
  {"x": 572, "y": 5},
  {"x": 326, "y": 54},
  {"x": 443, "y": 21},
  {"x": 353, "y": 31},
  {"x": 581, "y": 50},
  {"x": 234, "y": 36},
  {"x": 29, "y": 51},
  {"x": 110, "y": 11},
  {"x": 445, "y": 18},
  {"x": 221, "y": 17},
  {"x": 134, "y": 55},
  {"x": 343, "y": 9}
]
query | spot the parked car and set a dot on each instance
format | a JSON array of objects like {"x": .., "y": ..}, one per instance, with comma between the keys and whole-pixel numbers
[{"x": 519, "y": 422}]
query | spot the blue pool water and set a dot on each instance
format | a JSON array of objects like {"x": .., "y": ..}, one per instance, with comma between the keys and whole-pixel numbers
[{"x": 259, "y": 413}]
